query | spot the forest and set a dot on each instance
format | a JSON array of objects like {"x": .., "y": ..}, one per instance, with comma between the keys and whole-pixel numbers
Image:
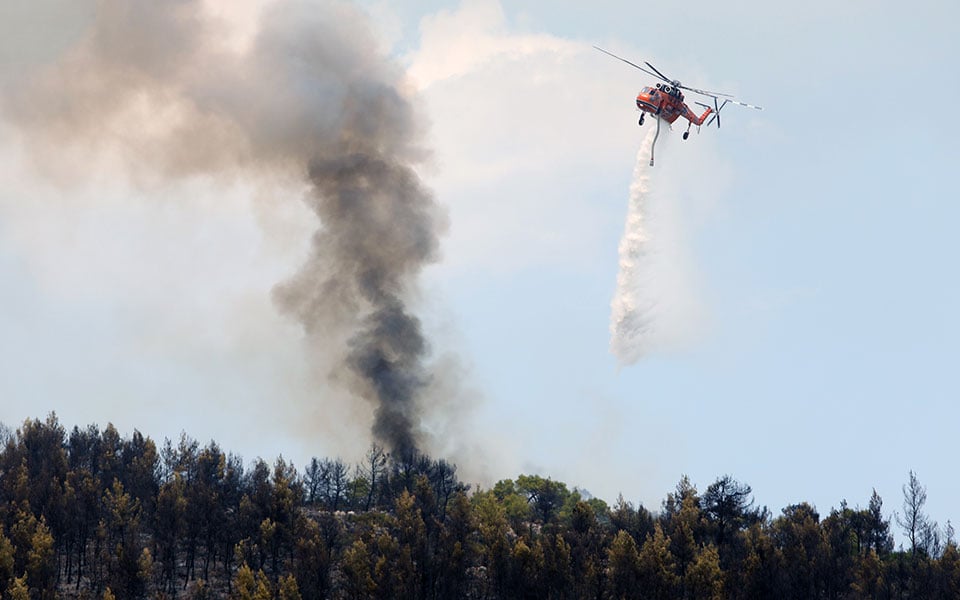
[{"x": 87, "y": 513}]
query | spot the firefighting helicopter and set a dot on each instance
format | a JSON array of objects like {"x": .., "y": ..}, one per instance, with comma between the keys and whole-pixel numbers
[{"x": 665, "y": 102}]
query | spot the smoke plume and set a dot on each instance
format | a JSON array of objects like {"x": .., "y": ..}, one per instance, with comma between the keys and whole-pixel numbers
[
  {"x": 162, "y": 89},
  {"x": 632, "y": 304}
]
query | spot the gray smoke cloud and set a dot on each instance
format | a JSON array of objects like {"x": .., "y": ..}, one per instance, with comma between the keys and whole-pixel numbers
[
  {"x": 379, "y": 231},
  {"x": 160, "y": 89}
]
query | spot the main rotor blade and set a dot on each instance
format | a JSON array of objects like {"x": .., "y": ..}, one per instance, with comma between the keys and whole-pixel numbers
[
  {"x": 726, "y": 97},
  {"x": 662, "y": 76},
  {"x": 706, "y": 92},
  {"x": 747, "y": 105},
  {"x": 625, "y": 60},
  {"x": 670, "y": 81}
]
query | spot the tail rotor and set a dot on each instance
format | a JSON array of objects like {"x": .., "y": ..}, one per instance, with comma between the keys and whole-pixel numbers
[{"x": 716, "y": 111}]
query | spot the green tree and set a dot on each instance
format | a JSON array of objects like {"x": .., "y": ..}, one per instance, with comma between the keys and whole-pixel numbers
[
  {"x": 624, "y": 564},
  {"x": 586, "y": 539},
  {"x": 41, "y": 562},
  {"x": 288, "y": 589},
  {"x": 685, "y": 528},
  {"x": 867, "y": 580},
  {"x": 284, "y": 513},
  {"x": 876, "y": 528},
  {"x": 33, "y": 547},
  {"x": 411, "y": 557},
  {"x": 658, "y": 578},
  {"x": 456, "y": 549},
  {"x": 558, "y": 568},
  {"x": 526, "y": 566},
  {"x": 637, "y": 522},
  {"x": 545, "y": 496},
  {"x": 728, "y": 508},
  {"x": 121, "y": 552},
  {"x": 494, "y": 532},
  {"x": 674, "y": 500},
  {"x": 204, "y": 516},
  {"x": 83, "y": 488},
  {"x": 248, "y": 585},
  {"x": 799, "y": 539},
  {"x": 41, "y": 448},
  {"x": 18, "y": 589},
  {"x": 949, "y": 572},
  {"x": 515, "y": 505},
  {"x": 109, "y": 456},
  {"x": 704, "y": 579},
  {"x": 141, "y": 470},
  {"x": 6, "y": 560},
  {"x": 231, "y": 496},
  {"x": 254, "y": 509},
  {"x": 312, "y": 562},
  {"x": 171, "y": 509},
  {"x": 145, "y": 571},
  {"x": 754, "y": 571},
  {"x": 357, "y": 572}
]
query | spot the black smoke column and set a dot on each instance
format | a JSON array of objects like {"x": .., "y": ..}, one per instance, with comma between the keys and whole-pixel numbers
[
  {"x": 165, "y": 91},
  {"x": 379, "y": 229}
]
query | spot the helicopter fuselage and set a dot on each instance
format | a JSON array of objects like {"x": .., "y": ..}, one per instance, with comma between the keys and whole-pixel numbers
[{"x": 666, "y": 102}]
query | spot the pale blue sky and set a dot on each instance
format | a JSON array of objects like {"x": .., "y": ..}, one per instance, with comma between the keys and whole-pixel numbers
[{"x": 810, "y": 247}]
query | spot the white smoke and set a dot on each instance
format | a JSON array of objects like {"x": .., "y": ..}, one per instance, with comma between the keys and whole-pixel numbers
[{"x": 632, "y": 305}]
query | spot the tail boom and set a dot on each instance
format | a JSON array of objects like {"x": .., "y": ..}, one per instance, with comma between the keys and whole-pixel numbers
[{"x": 694, "y": 119}]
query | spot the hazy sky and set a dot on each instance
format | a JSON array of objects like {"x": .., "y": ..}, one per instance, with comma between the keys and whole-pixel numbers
[{"x": 807, "y": 325}]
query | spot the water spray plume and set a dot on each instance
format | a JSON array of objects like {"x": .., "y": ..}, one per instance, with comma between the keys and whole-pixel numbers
[{"x": 630, "y": 309}]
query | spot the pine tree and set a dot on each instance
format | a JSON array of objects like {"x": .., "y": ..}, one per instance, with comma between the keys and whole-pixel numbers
[
  {"x": 456, "y": 550},
  {"x": 527, "y": 565},
  {"x": 704, "y": 579},
  {"x": 658, "y": 577},
  {"x": 949, "y": 572},
  {"x": 684, "y": 528},
  {"x": 18, "y": 590},
  {"x": 357, "y": 572},
  {"x": 312, "y": 562},
  {"x": 868, "y": 577},
  {"x": 494, "y": 530},
  {"x": 41, "y": 562},
  {"x": 624, "y": 564},
  {"x": 288, "y": 588},
  {"x": 558, "y": 567},
  {"x": 250, "y": 586},
  {"x": 6, "y": 560},
  {"x": 171, "y": 508}
]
